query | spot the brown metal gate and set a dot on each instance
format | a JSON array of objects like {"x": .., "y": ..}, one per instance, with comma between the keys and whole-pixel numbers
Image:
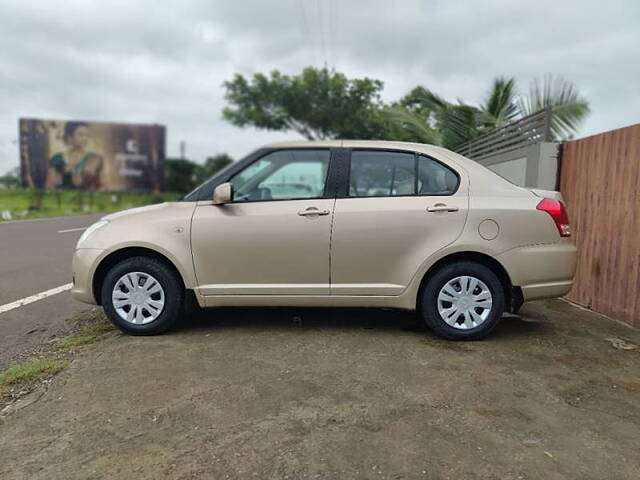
[{"x": 600, "y": 181}]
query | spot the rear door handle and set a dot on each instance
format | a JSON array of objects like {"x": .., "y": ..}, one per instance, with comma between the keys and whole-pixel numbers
[
  {"x": 441, "y": 207},
  {"x": 312, "y": 211}
]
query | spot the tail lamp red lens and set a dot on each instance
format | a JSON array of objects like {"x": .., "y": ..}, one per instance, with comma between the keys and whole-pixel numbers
[{"x": 557, "y": 211}]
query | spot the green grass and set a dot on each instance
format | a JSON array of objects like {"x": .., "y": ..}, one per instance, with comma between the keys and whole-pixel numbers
[
  {"x": 88, "y": 334},
  {"x": 29, "y": 372},
  {"x": 22, "y": 203},
  {"x": 90, "y": 329}
]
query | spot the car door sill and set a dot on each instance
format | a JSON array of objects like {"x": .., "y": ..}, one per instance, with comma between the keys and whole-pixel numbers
[
  {"x": 265, "y": 289},
  {"x": 390, "y": 301},
  {"x": 347, "y": 290}
]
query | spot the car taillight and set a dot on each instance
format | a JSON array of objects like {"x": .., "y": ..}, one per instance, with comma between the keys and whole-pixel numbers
[{"x": 557, "y": 211}]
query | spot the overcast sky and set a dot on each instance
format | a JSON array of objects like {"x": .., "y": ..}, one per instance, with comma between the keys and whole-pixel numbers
[{"x": 164, "y": 62}]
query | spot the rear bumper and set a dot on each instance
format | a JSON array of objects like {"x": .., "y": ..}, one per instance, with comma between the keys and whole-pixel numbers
[
  {"x": 85, "y": 261},
  {"x": 541, "y": 271},
  {"x": 546, "y": 290}
]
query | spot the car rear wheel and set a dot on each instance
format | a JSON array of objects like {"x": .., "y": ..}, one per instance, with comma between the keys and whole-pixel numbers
[
  {"x": 463, "y": 301},
  {"x": 142, "y": 296}
]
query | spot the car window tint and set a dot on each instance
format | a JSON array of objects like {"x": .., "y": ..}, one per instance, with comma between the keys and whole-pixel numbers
[
  {"x": 381, "y": 174},
  {"x": 434, "y": 178},
  {"x": 283, "y": 175}
]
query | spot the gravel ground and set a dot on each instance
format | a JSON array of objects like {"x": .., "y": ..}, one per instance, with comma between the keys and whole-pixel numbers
[{"x": 335, "y": 394}]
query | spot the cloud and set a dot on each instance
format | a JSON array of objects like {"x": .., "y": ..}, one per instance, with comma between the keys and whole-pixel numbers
[{"x": 164, "y": 62}]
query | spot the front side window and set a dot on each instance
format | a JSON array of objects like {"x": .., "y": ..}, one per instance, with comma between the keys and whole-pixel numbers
[{"x": 283, "y": 175}]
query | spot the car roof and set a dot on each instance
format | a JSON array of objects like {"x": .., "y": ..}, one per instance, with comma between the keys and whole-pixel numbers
[
  {"x": 358, "y": 144},
  {"x": 382, "y": 144},
  {"x": 386, "y": 144}
]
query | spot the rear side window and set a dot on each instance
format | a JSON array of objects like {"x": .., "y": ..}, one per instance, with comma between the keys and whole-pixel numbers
[
  {"x": 381, "y": 174},
  {"x": 434, "y": 178},
  {"x": 388, "y": 174}
]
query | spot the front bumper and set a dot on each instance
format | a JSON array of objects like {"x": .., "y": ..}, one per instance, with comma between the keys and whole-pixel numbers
[
  {"x": 85, "y": 261},
  {"x": 541, "y": 271}
]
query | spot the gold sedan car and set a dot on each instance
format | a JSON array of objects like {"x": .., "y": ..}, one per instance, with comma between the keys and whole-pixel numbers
[{"x": 337, "y": 223}]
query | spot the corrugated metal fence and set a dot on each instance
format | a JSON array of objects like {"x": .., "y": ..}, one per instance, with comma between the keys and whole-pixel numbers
[{"x": 600, "y": 181}]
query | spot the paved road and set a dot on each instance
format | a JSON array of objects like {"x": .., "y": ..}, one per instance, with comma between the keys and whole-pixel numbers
[{"x": 35, "y": 256}]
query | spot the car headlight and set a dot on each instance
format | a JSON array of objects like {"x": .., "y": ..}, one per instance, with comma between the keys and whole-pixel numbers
[{"x": 90, "y": 229}]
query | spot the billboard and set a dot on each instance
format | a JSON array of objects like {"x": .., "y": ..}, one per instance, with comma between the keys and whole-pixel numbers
[{"x": 100, "y": 156}]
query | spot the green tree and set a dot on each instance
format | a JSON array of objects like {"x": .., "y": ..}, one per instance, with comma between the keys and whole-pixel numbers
[
  {"x": 322, "y": 104},
  {"x": 318, "y": 104},
  {"x": 181, "y": 175},
  {"x": 9, "y": 181},
  {"x": 213, "y": 165}
]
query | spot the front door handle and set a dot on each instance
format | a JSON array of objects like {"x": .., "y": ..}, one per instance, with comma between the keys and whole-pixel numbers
[
  {"x": 312, "y": 211},
  {"x": 441, "y": 207}
]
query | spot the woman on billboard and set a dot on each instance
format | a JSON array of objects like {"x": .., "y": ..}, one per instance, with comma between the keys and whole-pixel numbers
[{"x": 76, "y": 167}]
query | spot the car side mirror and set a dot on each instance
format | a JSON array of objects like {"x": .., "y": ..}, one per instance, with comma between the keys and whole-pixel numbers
[{"x": 223, "y": 193}]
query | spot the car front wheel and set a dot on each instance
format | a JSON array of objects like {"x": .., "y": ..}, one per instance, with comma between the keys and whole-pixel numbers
[
  {"x": 463, "y": 301},
  {"x": 142, "y": 296}
]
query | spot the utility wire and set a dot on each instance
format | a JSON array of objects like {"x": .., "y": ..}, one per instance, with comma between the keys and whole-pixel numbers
[
  {"x": 331, "y": 36},
  {"x": 321, "y": 31},
  {"x": 307, "y": 31}
]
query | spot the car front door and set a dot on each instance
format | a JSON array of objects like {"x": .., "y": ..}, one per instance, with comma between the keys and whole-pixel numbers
[
  {"x": 273, "y": 238},
  {"x": 396, "y": 209}
]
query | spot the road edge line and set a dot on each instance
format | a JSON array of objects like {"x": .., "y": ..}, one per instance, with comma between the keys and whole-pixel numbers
[{"x": 34, "y": 298}]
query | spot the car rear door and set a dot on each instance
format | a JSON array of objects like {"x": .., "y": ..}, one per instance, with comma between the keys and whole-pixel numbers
[{"x": 396, "y": 209}]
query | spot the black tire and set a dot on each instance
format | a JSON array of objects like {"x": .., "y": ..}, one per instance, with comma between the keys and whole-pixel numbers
[
  {"x": 170, "y": 283},
  {"x": 429, "y": 301}
]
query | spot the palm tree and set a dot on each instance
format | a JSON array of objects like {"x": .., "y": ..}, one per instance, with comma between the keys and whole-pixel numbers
[
  {"x": 407, "y": 125},
  {"x": 456, "y": 122},
  {"x": 424, "y": 110},
  {"x": 568, "y": 107},
  {"x": 500, "y": 105}
]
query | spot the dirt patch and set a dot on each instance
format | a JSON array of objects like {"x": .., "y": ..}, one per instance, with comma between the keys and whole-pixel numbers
[
  {"x": 255, "y": 393},
  {"x": 628, "y": 384},
  {"x": 36, "y": 368}
]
